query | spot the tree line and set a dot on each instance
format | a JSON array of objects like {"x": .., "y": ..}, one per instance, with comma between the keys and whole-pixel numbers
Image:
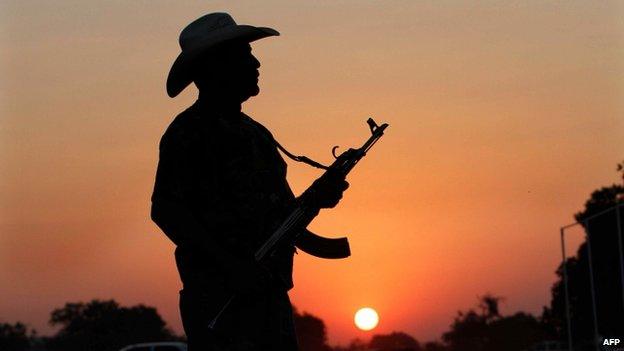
[{"x": 106, "y": 326}]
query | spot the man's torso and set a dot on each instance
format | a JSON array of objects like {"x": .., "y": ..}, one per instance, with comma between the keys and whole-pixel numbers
[{"x": 235, "y": 186}]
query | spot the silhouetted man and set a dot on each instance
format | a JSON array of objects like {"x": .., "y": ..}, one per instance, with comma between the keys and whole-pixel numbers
[{"x": 220, "y": 189}]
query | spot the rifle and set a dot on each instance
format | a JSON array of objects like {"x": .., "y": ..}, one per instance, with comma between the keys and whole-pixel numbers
[{"x": 294, "y": 226}]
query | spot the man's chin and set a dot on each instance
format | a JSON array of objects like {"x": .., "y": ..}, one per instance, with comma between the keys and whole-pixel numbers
[{"x": 252, "y": 92}]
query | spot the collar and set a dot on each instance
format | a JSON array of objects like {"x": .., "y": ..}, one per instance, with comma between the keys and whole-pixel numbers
[{"x": 220, "y": 107}]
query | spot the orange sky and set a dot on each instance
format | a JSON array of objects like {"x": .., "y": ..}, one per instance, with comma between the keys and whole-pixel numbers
[{"x": 504, "y": 117}]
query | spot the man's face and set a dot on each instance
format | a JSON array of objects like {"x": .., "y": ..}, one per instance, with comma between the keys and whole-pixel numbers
[{"x": 233, "y": 72}]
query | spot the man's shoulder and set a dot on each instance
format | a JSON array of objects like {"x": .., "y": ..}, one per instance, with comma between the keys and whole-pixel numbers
[
  {"x": 263, "y": 130},
  {"x": 183, "y": 130}
]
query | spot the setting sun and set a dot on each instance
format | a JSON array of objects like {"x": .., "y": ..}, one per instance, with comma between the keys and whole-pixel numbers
[{"x": 366, "y": 318}]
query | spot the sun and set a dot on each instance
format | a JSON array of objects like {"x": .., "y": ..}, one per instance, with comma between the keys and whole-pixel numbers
[{"x": 366, "y": 318}]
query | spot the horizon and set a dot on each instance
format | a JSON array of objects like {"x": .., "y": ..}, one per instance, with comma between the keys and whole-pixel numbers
[{"x": 503, "y": 119}]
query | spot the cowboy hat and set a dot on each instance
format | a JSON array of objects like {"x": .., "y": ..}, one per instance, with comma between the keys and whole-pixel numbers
[{"x": 200, "y": 36}]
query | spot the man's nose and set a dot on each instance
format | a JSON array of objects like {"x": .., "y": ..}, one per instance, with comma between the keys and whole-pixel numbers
[{"x": 255, "y": 61}]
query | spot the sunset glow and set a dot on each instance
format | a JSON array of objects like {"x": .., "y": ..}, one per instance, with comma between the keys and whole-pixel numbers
[{"x": 504, "y": 116}]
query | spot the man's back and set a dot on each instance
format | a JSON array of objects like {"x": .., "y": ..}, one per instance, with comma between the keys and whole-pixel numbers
[{"x": 223, "y": 167}]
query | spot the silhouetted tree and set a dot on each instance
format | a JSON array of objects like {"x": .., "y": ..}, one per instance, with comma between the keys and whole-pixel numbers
[
  {"x": 311, "y": 332},
  {"x": 396, "y": 341},
  {"x": 14, "y": 337},
  {"x": 515, "y": 332},
  {"x": 468, "y": 332},
  {"x": 489, "y": 331},
  {"x": 105, "y": 326},
  {"x": 602, "y": 229},
  {"x": 435, "y": 346},
  {"x": 489, "y": 306},
  {"x": 354, "y": 345}
]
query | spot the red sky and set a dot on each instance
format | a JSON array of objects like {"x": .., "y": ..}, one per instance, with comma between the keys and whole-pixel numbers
[{"x": 504, "y": 117}]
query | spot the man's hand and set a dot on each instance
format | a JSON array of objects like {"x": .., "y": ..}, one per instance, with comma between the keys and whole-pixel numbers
[{"x": 326, "y": 191}]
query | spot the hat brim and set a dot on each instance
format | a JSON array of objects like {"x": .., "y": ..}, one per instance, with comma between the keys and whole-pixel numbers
[{"x": 181, "y": 75}]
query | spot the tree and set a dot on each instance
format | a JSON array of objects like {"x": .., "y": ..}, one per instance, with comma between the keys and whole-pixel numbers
[
  {"x": 600, "y": 223},
  {"x": 435, "y": 346},
  {"x": 487, "y": 330},
  {"x": 355, "y": 345},
  {"x": 311, "y": 332},
  {"x": 105, "y": 326},
  {"x": 396, "y": 341},
  {"x": 489, "y": 306},
  {"x": 516, "y": 332},
  {"x": 14, "y": 337}
]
